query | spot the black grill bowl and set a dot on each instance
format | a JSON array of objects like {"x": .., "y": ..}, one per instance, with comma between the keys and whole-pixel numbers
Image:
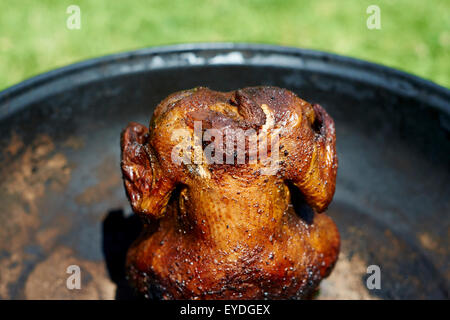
[{"x": 62, "y": 200}]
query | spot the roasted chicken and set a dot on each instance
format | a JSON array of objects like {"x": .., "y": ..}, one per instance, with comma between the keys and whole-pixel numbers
[{"x": 219, "y": 221}]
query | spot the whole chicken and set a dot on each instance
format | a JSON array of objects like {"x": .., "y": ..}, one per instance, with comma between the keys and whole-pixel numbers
[{"x": 229, "y": 186}]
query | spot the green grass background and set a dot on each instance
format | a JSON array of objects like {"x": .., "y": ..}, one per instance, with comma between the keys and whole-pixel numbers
[{"x": 414, "y": 35}]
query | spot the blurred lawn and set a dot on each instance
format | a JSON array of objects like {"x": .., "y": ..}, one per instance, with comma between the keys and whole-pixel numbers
[{"x": 415, "y": 34}]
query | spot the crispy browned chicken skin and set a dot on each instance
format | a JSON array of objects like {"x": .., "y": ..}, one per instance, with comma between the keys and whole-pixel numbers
[{"x": 229, "y": 231}]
